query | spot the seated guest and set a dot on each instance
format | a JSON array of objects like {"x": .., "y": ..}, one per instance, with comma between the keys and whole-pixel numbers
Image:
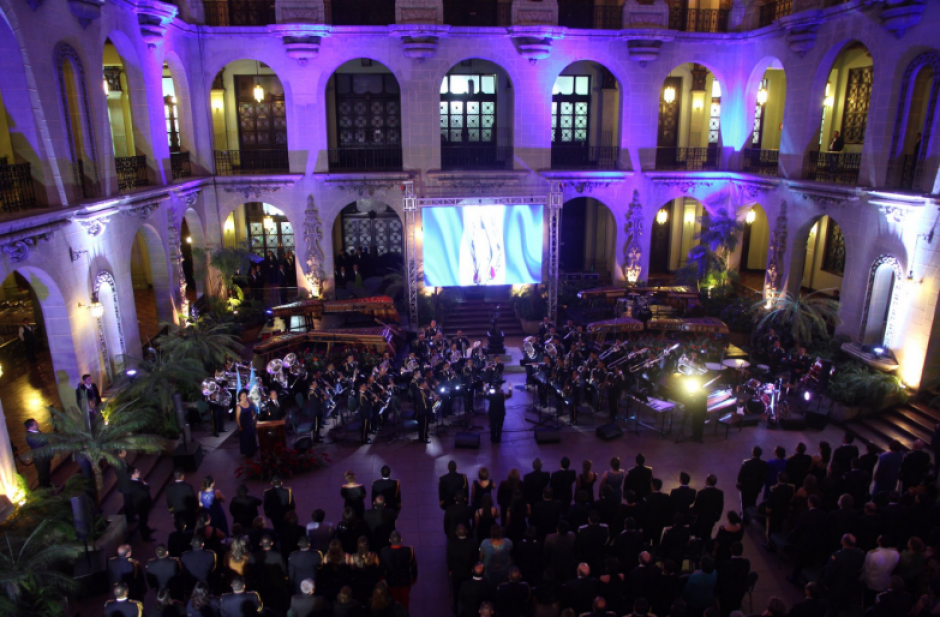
[
  {"x": 699, "y": 590},
  {"x": 579, "y": 593},
  {"x": 306, "y": 604}
]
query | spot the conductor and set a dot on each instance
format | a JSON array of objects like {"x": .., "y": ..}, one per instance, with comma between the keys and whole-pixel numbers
[
  {"x": 497, "y": 412},
  {"x": 423, "y": 410}
]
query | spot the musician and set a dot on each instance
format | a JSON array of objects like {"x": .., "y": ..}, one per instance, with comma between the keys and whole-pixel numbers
[
  {"x": 330, "y": 376},
  {"x": 350, "y": 367},
  {"x": 378, "y": 395},
  {"x": 317, "y": 404},
  {"x": 420, "y": 347},
  {"x": 463, "y": 343},
  {"x": 567, "y": 329},
  {"x": 545, "y": 328},
  {"x": 800, "y": 363},
  {"x": 543, "y": 376},
  {"x": 478, "y": 356},
  {"x": 552, "y": 337},
  {"x": 411, "y": 365},
  {"x": 768, "y": 341},
  {"x": 454, "y": 356},
  {"x": 775, "y": 356},
  {"x": 497, "y": 412},
  {"x": 494, "y": 372},
  {"x": 466, "y": 383},
  {"x": 387, "y": 361},
  {"x": 364, "y": 410},
  {"x": 432, "y": 330},
  {"x": 271, "y": 409},
  {"x": 615, "y": 384},
  {"x": 219, "y": 412},
  {"x": 423, "y": 402}
]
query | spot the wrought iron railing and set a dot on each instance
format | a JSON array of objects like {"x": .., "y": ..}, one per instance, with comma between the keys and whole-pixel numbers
[
  {"x": 131, "y": 172},
  {"x": 585, "y": 157},
  {"x": 906, "y": 174},
  {"x": 697, "y": 20},
  {"x": 835, "y": 167},
  {"x": 239, "y": 12},
  {"x": 479, "y": 13},
  {"x": 360, "y": 12},
  {"x": 16, "y": 188},
  {"x": 384, "y": 158},
  {"x": 235, "y": 162},
  {"x": 590, "y": 17},
  {"x": 687, "y": 159},
  {"x": 764, "y": 162},
  {"x": 771, "y": 12},
  {"x": 476, "y": 156},
  {"x": 179, "y": 163}
]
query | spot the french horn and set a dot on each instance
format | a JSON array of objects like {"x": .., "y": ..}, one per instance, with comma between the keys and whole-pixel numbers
[{"x": 529, "y": 347}]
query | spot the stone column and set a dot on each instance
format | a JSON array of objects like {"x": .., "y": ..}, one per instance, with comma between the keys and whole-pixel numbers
[{"x": 8, "y": 482}]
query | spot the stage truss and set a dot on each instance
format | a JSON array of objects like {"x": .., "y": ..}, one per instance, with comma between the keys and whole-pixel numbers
[{"x": 412, "y": 206}]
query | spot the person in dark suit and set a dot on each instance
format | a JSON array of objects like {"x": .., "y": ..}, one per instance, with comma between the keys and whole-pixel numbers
[
  {"x": 646, "y": 576},
  {"x": 198, "y": 564},
  {"x": 682, "y": 497},
  {"x": 121, "y": 605},
  {"x": 165, "y": 572},
  {"x": 239, "y": 603},
  {"x": 27, "y": 334},
  {"x": 497, "y": 412},
  {"x": 462, "y": 554},
  {"x": 303, "y": 564},
  {"x": 450, "y": 484},
  {"x": 181, "y": 498},
  {"x": 840, "y": 575},
  {"x": 400, "y": 566},
  {"x": 546, "y": 514},
  {"x": 846, "y": 453},
  {"x": 122, "y": 479},
  {"x": 277, "y": 500},
  {"x": 559, "y": 551},
  {"x": 42, "y": 464},
  {"x": 628, "y": 544},
  {"x": 562, "y": 483},
  {"x": 474, "y": 592},
  {"x": 893, "y": 601},
  {"x": 123, "y": 568},
  {"x": 813, "y": 605},
  {"x": 675, "y": 540},
  {"x": 388, "y": 488},
  {"x": 889, "y": 468},
  {"x": 638, "y": 478},
  {"x": 808, "y": 537},
  {"x": 180, "y": 539},
  {"x": 914, "y": 467},
  {"x": 513, "y": 597},
  {"x": 534, "y": 482},
  {"x": 841, "y": 522},
  {"x": 857, "y": 482},
  {"x": 381, "y": 523},
  {"x": 270, "y": 576},
  {"x": 732, "y": 580},
  {"x": 272, "y": 408},
  {"x": 579, "y": 594},
  {"x": 87, "y": 395},
  {"x": 592, "y": 542},
  {"x": 751, "y": 479},
  {"x": 708, "y": 508},
  {"x": 658, "y": 511},
  {"x": 798, "y": 465},
  {"x": 457, "y": 513},
  {"x": 306, "y": 603},
  {"x": 141, "y": 502},
  {"x": 244, "y": 507}
]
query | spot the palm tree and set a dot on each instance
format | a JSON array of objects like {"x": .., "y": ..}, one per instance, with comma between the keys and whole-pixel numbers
[
  {"x": 208, "y": 342},
  {"x": 91, "y": 437},
  {"x": 806, "y": 316},
  {"x": 31, "y": 585},
  {"x": 159, "y": 376},
  {"x": 701, "y": 262},
  {"x": 229, "y": 261},
  {"x": 719, "y": 232}
]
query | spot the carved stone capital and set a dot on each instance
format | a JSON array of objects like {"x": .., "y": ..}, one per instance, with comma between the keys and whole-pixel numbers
[
  {"x": 252, "y": 190},
  {"x": 898, "y": 17},
  {"x": 86, "y": 10},
  {"x": 302, "y": 40},
  {"x": 802, "y": 28},
  {"x": 645, "y": 48},
  {"x": 19, "y": 245},
  {"x": 154, "y": 17},
  {"x": 535, "y": 42},
  {"x": 419, "y": 41}
]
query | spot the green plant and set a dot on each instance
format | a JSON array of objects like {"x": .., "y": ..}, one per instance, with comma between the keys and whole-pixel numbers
[
  {"x": 159, "y": 376},
  {"x": 88, "y": 436},
  {"x": 54, "y": 506},
  {"x": 806, "y": 317},
  {"x": 856, "y": 385},
  {"x": 719, "y": 232},
  {"x": 32, "y": 584},
  {"x": 208, "y": 342},
  {"x": 531, "y": 303},
  {"x": 229, "y": 261}
]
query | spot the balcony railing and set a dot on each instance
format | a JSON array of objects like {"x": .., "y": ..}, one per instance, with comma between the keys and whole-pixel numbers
[
  {"x": 236, "y": 162},
  {"x": 590, "y": 17},
  {"x": 835, "y": 167},
  {"x": 179, "y": 163},
  {"x": 239, "y": 12},
  {"x": 763, "y": 162},
  {"x": 476, "y": 156},
  {"x": 687, "y": 159},
  {"x": 907, "y": 174},
  {"x": 479, "y": 13},
  {"x": 16, "y": 188},
  {"x": 585, "y": 157},
  {"x": 131, "y": 172},
  {"x": 365, "y": 159},
  {"x": 360, "y": 12},
  {"x": 697, "y": 20},
  {"x": 771, "y": 12}
]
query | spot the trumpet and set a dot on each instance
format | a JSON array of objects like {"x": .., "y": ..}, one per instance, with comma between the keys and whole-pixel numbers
[{"x": 607, "y": 353}]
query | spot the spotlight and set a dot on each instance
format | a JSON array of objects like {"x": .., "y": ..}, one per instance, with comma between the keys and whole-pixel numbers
[
  {"x": 131, "y": 373},
  {"x": 492, "y": 390},
  {"x": 692, "y": 385},
  {"x": 878, "y": 351},
  {"x": 807, "y": 396},
  {"x": 457, "y": 388},
  {"x": 443, "y": 390}
]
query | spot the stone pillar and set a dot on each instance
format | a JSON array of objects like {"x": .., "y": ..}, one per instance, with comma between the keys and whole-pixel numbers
[
  {"x": 152, "y": 73},
  {"x": 8, "y": 482}
]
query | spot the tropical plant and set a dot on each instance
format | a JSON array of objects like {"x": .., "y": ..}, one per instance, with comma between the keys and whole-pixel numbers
[
  {"x": 31, "y": 583},
  {"x": 160, "y": 375},
  {"x": 229, "y": 261},
  {"x": 54, "y": 507},
  {"x": 208, "y": 342},
  {"x": 702, "y": 261},
  {"x": 807, "y": 317},
  {"x": 87, "y": 436},
  {"x": 856, "y": 385},
  {"x": 719, "y": 232},
  {"x": 531, "y": 303}
]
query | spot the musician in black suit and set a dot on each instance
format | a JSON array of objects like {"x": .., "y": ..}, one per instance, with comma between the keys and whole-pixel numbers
[
  {"x": 423, "y": 409},
  {"x": 141, "y": 501},
  {"x": 239, "y": 603},
  {"x": 42, "y": 464},
  {"x": 364, "y": 411},
  {"x": 432, "y": 330},
  {"x": 121, "y": 605},
  {"x": 181, "y": 498},
  {"x": 388, "y": 488},
  {"x": 306, "y": 604},
  {"x": 163, "y": 572},
  {"x": 123, "y": 568},
  {"x": 615, "y": 387},
  {"x": 545, "y": 328},
  {"x": 450, "y": 484},
  {"x": 497, "y": 412},
  {"x": 277, "y": 501},
  {"x": 272, "y": 408}
]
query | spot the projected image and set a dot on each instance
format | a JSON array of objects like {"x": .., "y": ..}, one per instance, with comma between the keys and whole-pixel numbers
[{"x": 482, "y": 245}]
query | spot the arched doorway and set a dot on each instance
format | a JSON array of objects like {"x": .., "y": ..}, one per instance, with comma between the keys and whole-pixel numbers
[
  {"x": 911, "y": 169},
  {"x": 369, "y": 238},
  {"x": 110, "y": 329},
  {"x": 267, "y": 232},
  {"x": 192, "y": 248},
  {"x": 586, "y": 100},
  {"x": 762, "y": 149},
  {"x": 673, "y": 234},
  {"x": 249, "y": 120},
  {"x": 821, "y": 266},
  {"x": 588, "y": 238},
  {"x": 476, "y": 116},
  {"x": 151, "y": 281},
  {"x": 176, "y": 111},
  {"x": 755, "y": 244},
  {"x": 364, "y": 117},
  {"x": 127, "y": 141},
  {"x": 689, "y": 129},
  {"x": 881, "y": 301}
]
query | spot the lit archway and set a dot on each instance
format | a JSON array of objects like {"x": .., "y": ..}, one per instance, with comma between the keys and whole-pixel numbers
[
  {"x": 177, "y": 112},
  {"x": 150, "y": 277},
  {"x": 586, "y": 111},
  {"x": 267, "y": 232},
  {"x": 192, "y": 247},
  {"x": 124, "y": 89},
  {"x": 881, "y": 301},
  {"x": 914, "y": 126},
  {"x": 754, "y": 248},
  {"x": 768, "y": 87},
  {"x": 588, "y": 239},
  {"x": 110, "y": 330},
  {"x": 689, "y": 127},
  {"x": 369, "y": 240},
  {"x": 820, "y": 266},
  {"x": 673, "y": 234}
]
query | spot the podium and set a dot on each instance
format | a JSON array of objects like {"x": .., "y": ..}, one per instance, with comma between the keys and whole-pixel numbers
[{"x": 271, "y": 433}]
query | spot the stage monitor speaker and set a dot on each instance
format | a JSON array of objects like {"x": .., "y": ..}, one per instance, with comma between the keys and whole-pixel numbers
[
  {"x": 81, "y": 513},
  {"x": 547, "y": 435},
  {"x": 609, "y": 431},
  {"x": 302, "y": 445},
  {"x": 467, "y": 440},
  {"x": 816, "y": 420},
  {"x": 793, "y": 424},
  {"x": 187, "y": 456}
]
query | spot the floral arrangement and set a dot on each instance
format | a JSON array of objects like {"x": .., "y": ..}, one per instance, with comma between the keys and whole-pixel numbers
[{"x": 282, "y": 461}]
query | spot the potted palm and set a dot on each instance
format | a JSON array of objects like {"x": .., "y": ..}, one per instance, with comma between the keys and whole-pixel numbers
[
  {"x": 807, "y": 317},
  {"x": 32, "y": 580},
  {"x": 207, "y": 342},
  {"x": 858, "y": 390}
]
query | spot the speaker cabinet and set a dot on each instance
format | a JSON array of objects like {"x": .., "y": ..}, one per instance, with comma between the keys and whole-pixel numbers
[
  {"x": 547, "y": 435},
  {"x": 609, "y": 431}
]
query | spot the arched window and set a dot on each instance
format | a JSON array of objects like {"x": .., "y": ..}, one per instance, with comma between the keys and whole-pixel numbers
[
  {"x": 78, "y": 127},
  {"x": 913, "y": 125}
]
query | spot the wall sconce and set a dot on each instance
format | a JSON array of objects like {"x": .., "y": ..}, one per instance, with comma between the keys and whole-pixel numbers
[
  {"x": 690, "y": 217},
  {"x": 230, "y": 224},
  {"x": 189, "y": 239},
  {"x": 750, "y": 217},
  {"x": 217, "y": 105},
  {"x": 258, "y": 93},
  {"x": 698, "y": 103},
  {"x": 633, "y": 275},
  {"x": 95, "y": 308},
  {"x": 662, "y": 216},
  {"x": 830, "y": 100},
  {"x": 669, "y": 95},
  {"x": 762, "y": 97},
  {"x": 268, "y": 223}
]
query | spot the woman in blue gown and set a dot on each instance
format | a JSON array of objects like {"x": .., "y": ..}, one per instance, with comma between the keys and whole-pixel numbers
[
  {"x": 211, "y": 501},
  {"x": 245, "y": 413}
]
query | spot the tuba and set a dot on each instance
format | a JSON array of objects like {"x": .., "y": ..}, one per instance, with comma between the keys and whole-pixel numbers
[
  {"x": 216, "y": 394},
  {"x": 529, "y": 347},
  {"x": 276, "y": 371},
  {"x": 410, "y": 366}
]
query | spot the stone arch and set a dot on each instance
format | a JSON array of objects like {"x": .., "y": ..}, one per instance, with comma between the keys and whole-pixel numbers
[
  {"x": 152, "y": 243},
  {"x": 136, "y": 82},
  {"x": 754, "y": 249},
  {"x": 681, "y": 153},
  {"x": 588, "y": 235},
  {"x": 605, "y": 126},
  {"x": 751, "y": 88},
  {"x": 875, "y": 287},
  {"x": 372, "y": 222},
  {"x": 198, "y": 236},
  {"x": 180, "y": 78},
  {"x": 931, "y": 60},
  {"x": 65, "y": 53},
  {"x": 798, "y": 251},
  {"x": 110, "y": 328}
]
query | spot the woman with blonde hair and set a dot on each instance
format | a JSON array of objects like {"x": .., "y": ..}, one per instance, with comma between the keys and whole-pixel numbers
[{"x": 353, "y": 494}]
